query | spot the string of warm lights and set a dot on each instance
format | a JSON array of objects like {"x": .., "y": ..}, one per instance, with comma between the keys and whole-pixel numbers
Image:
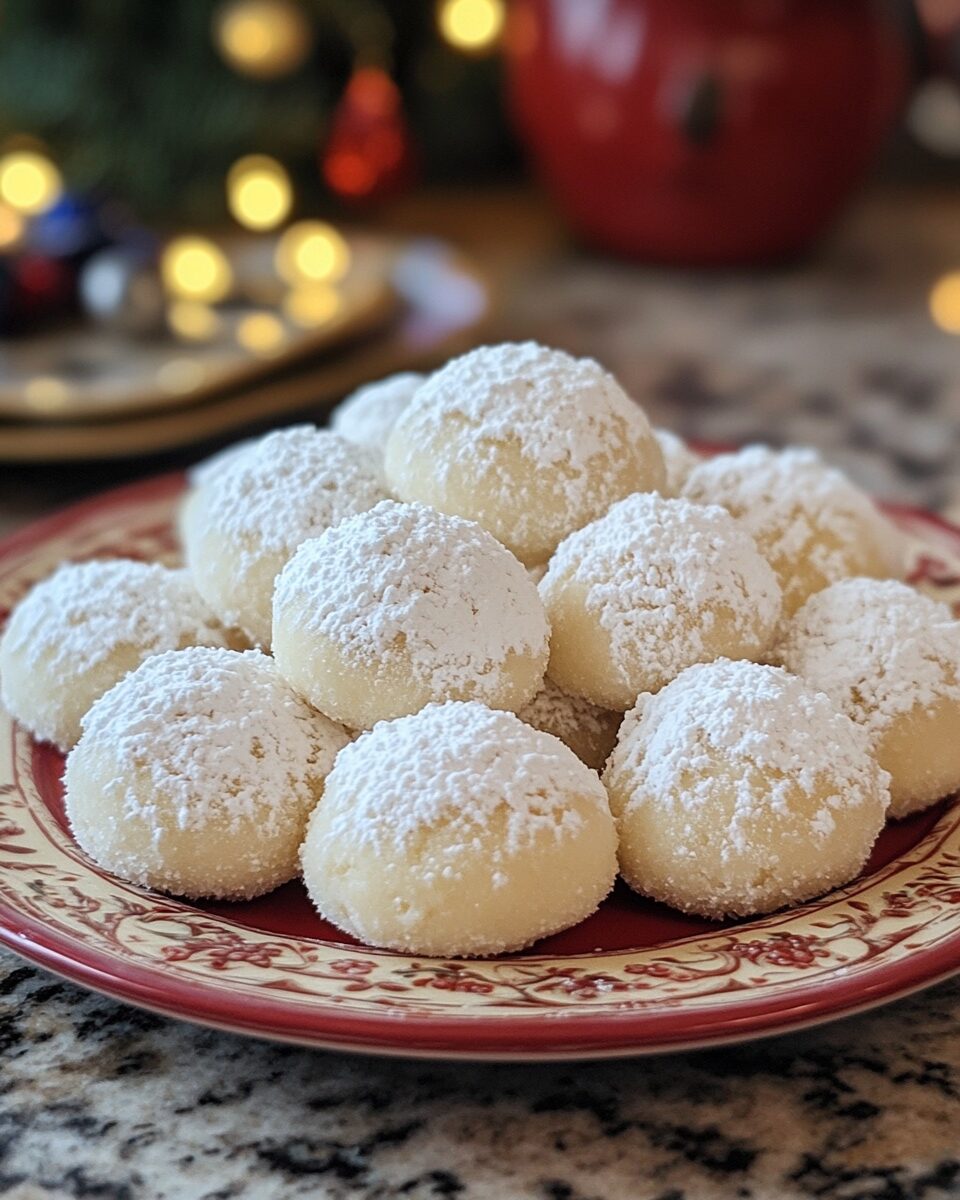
[
  {"x": 264, "y": 39},
  {"x": 312, "y": 305},
  {"x": 29, "y": 182},
  {"x": 312, "y": 252},
  {"x": 193, "y": 288},
  {"x": 196, "y": 269},
  {"x": 267, "y": 39},
  {"x": 259, "y": 192},
  {"x": 192, "y": 272},
  {"x": 193, "y": 321},
  {"x": 12, "y": 226},
  {"x": 945, "y": 303},
  {"x": 473, "y": 26}
]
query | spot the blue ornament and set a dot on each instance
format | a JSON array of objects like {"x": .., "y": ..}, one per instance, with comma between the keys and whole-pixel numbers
[{"x": 70, "y": 228}]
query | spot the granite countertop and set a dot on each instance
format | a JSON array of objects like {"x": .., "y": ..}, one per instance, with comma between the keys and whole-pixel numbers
[{"x": 101, "y": 1100}]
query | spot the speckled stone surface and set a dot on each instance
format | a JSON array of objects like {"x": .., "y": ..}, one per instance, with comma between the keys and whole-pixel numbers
[{"x": 100, "y": 1100}]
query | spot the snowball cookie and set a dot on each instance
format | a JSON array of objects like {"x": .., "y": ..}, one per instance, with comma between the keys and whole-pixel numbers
[
  {"x": 738, "y": 788},
  {"x": 650, "y": 588},
  {"x": 529, "y": 442},
  {"x": 196, "y": 773},
  {"x": 203, "y": 471},
  {"x": 401, "y": 606},
  {"x": 459, "y": 831},
  {"x": 812, "y": 524},
  {"x": 199, "y": 476},
  {"x": 889, "y": 657},
  {"x": 678, "y": 460},
  {"x": 83, "y": 628},
  {"x": 367, "y": 415},
  {"x": 590, "y": 732},
  {"x": 249, "y": 514}
]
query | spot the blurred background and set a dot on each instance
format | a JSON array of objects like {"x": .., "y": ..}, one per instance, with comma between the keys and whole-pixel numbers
[{"x": 220, "y": 216}]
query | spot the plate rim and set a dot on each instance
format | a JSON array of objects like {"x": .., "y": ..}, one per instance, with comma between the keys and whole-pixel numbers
[
  {"x": 451, "y": 1049},
  {"x": 542, "y": 1035}
]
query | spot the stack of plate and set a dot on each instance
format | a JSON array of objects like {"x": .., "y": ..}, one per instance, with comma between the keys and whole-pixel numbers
[{"x": 92, "y": 393}]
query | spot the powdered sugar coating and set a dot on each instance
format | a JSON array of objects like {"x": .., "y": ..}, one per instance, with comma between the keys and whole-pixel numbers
[
  {"x": 204, "y": 754},
  {"x": 79, "y": 631},
  {"x": 459, "y": 830},
  {"x": 890, "y": 658},
  {"x": 529, "y": 441},
  {"x": 739, "y": 788},
  {"x": 405, "y": 586},
  {"x": 207, "y": 468},
  {"x": 877, "y": 648},
  {"x": 218, "y": 728},
  {"x": 290, "y": 485},
  {"x": 458, "y": 764},
  {"x": 367, "y": 416},
  {"x": 250, "y": 514},
  {"x": 566, "y": 410},
  {"x": 751, "y": 713},
  {"x": 669, "y": 583},
  {"x": 678, "y": 460},
  {"x": 808, "y": 519},
  {"x": 589, "y": 731}
]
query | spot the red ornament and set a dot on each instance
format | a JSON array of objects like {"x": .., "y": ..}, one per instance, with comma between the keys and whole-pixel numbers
[
  {"x": 703, "y": 132},
  {"x": 44, "y": 284},
  {"x": 370, "y": 154},
  {"x": 33, "y": 289}
]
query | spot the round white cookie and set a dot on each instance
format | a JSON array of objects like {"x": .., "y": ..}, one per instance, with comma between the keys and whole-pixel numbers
[
  {"x": 249, "y": 514},
  {"x": 889, "y": 657},
  {"x": 196, "y": 773},
  {"x": 678, "y": 460},
  {"x": 402, "y": 605},
  {"x": 207, "y": 468},
  {"x": 529, "y": 442},
  {"x": 589, "y": 731},
  {"x": 650, "y": 588},
  {"x": 810, "y": 522},
  {"x": 739, "y": 788},
  {"x": 79, "y": 631},
  {"x": 459, "y": 831},
  {"x": 367, "y": 416}
]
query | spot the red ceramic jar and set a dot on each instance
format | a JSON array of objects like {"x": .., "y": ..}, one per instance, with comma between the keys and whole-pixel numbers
[{"x": 705, "y": 131}]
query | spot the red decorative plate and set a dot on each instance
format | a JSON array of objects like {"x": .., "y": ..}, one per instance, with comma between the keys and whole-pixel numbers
[{"x": 634, "y": 979}]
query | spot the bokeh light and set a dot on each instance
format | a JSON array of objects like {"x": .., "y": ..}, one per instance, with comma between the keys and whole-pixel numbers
[
  {"x": 180, "y": 375},
  {"x": 11, "y": 227},
  {"x": 47, "y": 393},
  {"x": 261, "y": 333},
  {"x": 934, "y": 117},
  {"x": 193, "y": 320},
  {"x": 312, "y": 305},
  {"x": 262, "y": 38},
  {"x": 945, "y": 302},
  {"x": 259, "y": 193},
  {"x": 312, "y": 252},
  {"x": 196, "y": 269},
  {"x": 29, "y": 182},
  {"x": 369, "y": 147},
  {"x": 471, "y": 25}
]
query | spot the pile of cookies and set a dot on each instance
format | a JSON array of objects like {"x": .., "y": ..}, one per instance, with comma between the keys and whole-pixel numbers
[{"x": 400, "y": 653}]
